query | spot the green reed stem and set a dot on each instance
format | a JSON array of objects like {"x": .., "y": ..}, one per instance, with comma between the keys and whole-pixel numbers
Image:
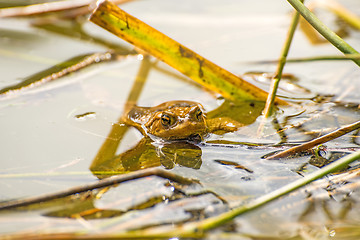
[
  {"x": 332, "y": 37},
  {"x": 346, "y": 57},
  {"x": 355, "y": 56},
  {"x": 275, "y": 83}
]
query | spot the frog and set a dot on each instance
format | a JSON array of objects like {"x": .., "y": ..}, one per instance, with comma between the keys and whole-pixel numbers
[
  {"x": 173, "y": 133},
  {"x": 177, "y": 120}
]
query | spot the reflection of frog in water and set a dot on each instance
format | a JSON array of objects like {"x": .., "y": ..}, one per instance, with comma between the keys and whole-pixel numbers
[
  {"x": 170, "y": 131},
  {"x": 177, "y": 120}
]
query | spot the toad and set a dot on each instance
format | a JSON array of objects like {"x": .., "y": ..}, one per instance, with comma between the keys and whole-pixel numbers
[{"x": 177, "y": 120}]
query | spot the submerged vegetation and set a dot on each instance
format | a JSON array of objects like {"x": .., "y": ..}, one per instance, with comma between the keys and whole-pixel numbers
[{"x": 261, "y": 147}]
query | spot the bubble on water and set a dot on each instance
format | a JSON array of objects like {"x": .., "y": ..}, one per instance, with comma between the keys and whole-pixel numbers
[{"x": 140, "y": 57}]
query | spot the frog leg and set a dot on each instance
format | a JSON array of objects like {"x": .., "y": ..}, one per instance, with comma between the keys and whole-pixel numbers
[{"x": 222, "y": 125}]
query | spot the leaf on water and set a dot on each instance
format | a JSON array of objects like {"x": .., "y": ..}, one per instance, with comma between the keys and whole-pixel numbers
[{"x": 199, "y": 69}]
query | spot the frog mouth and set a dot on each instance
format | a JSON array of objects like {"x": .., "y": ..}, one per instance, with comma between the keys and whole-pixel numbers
[{"x": 195, "y": 137}]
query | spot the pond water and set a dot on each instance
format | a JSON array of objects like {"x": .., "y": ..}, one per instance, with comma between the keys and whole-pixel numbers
[{"x": 51, "y": 134}]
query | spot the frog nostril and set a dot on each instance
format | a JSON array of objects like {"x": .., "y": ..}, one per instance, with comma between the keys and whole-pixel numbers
[{"x": 196, "y": 113}]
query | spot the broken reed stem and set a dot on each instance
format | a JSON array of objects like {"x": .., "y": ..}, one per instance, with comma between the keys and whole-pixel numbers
[
  {"x": 61, "y": 70},
  {"x": 332, "y": 37},
  {"x": 328, "y": 137},
  {"x": 98, "y": 184},
  {"x": 213, "y": 77},
  {"x": 214, "y": 222},
  {"x": 138, "y": 235},
  {"x": 35, "y": 9},
  {"x": 199, "y": 229}
]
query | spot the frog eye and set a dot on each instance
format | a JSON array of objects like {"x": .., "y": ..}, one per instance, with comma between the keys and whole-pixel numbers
[
  {"x": 166, "y": 120},
  {"x": 198, "y": 114}
]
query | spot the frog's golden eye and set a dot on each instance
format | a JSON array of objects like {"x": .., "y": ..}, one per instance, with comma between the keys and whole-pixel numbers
[
  {"x": 198, "y": 114},
  {"x": 166, "y": 120}
]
